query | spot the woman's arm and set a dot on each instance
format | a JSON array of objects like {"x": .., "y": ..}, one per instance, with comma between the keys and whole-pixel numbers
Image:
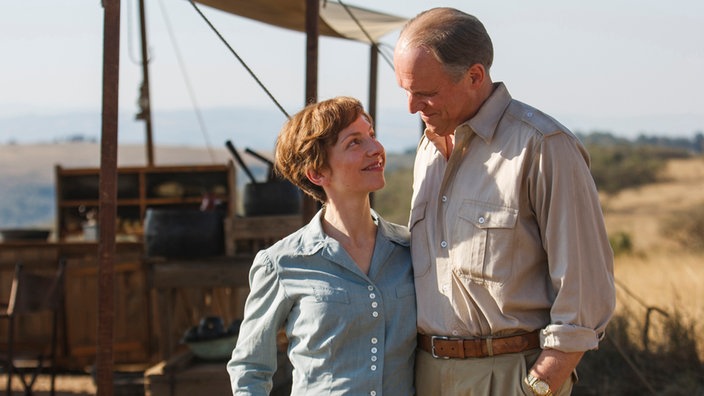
[{"x": 253, "y": 361}]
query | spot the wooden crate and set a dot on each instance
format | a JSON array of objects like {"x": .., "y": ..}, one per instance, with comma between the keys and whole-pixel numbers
[
  {"x": 132, "y": 330},
  {"x": 78, "y": 344},
  {"x": 251, "y": 234},
  {"x": 187, "y": 290}
]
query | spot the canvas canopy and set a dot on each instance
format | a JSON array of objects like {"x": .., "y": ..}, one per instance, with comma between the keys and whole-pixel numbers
[{"x": 335, "y": 20}]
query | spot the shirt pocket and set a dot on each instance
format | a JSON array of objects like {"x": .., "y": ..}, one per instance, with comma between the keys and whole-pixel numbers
[
  {"x": 326, "y": 294},
  {"x": 483, "y": 241},
  {"x": 420, "y": 249}
]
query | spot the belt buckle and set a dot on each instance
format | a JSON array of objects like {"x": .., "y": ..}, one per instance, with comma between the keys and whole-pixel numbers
[{"x": 442, "y": 338}]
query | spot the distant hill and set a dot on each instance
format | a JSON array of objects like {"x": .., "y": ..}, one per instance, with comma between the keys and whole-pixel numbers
[
  {"x": 246, "y": 127},
  {"x": 27, "y": 173}
]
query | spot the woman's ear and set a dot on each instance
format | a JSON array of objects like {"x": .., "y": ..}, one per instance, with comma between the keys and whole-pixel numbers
[{"x": 315, "y": 177}]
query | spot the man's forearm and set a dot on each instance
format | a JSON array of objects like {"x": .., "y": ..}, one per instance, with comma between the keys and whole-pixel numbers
[{"x": 555, "y": 367}]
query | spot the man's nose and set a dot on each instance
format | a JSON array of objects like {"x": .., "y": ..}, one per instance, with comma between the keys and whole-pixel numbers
[{"x": 414, "y": 104}]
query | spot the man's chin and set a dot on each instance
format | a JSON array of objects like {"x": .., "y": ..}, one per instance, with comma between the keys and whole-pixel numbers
[{"x": 438, "y": 131}]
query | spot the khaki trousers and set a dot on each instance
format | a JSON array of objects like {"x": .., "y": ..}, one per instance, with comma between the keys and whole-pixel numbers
[{"x": 500, "y": 375}]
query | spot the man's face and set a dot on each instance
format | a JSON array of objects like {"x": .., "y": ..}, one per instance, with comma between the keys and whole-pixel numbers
[{"x": 442, "y": 102}]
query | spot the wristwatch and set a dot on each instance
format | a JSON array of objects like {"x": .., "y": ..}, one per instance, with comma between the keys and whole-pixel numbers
[{"x": 538, "y": 386}]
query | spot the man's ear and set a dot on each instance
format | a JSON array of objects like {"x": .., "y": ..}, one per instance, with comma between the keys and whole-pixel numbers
[
  {"x": 476, "y": 74},
  {"x": 315, "y": 177}
]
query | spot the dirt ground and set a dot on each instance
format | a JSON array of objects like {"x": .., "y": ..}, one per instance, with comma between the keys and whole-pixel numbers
[
  {"x": 72, "y": 385},
  {"x": 66, "y": 385}
]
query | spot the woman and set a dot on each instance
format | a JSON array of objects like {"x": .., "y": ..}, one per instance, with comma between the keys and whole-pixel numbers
[{"x": 341, "y": 286}]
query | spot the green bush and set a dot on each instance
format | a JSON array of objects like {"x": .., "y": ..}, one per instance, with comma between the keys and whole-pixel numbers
[
  {"x": 621, "y": 243},
  {"x": 616, "y": 167}
]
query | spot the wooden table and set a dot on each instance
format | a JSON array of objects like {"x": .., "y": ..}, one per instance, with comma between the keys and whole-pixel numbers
[
  {"x": 186, "y": 375},
  {"x": 45, "y": 253}
]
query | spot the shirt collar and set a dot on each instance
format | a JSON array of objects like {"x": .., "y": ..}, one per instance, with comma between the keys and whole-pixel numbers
[{"x": 485, "y": 122}]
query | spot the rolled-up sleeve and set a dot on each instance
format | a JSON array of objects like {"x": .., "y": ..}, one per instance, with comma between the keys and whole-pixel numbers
[{"x": 253, "y": 361}]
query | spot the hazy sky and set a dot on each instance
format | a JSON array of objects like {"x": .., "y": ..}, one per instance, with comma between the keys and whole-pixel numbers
[{"x": 616, "y": 65}]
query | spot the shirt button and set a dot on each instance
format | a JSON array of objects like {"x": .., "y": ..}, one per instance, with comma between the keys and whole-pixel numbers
[
  {"x": 374, "y": 350},
  {"x": 374, "y": 340},
  {"x": 482, "y": 220},
  {"x": 374, "y": 358},
  {"x": 370, "y": 287},
  {"x": 375, "y": 314},
  {"x": 455, "y": 332},
  {"x": 372, "y": 296},
  {"x": 372, "y": 393},
  {"x": 443, "y": 244},
  {"x": 373, "y": 367},
  {"x": 375, "y": 304},
  {"x": 444, "y": 198}
]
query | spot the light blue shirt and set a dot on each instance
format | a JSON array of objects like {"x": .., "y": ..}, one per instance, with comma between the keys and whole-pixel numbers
[{"x": 349, "y": 333}]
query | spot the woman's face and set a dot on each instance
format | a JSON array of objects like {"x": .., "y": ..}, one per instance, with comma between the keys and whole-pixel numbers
[{"x": 355, "y": 162}]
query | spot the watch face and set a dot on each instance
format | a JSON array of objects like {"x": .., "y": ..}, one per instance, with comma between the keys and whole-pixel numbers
[{"x": 541, "y": 387}]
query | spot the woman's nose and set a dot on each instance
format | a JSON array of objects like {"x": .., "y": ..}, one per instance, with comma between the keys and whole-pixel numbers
[{"x": 375, "y": 148}]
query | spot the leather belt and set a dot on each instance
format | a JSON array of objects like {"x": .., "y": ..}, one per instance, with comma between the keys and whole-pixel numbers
[{"x": 460, "y": 348}]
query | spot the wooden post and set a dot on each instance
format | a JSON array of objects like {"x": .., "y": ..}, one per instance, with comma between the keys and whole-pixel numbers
[
  {"x": 310, "y": 206},
  {"x": 145, "y": 95},
  {"x": 107, "y": 198},
  {"x": 373, "y": 78}
]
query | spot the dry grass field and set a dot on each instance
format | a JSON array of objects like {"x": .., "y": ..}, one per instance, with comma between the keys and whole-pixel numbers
[{"x": 660, "y": 273}]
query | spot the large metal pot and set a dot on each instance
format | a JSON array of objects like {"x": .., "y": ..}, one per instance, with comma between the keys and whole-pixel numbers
[
  {"x": 273, "y": 197},
  {"x": 183, "y": 233},
  {"x": 270, "y": 198}
]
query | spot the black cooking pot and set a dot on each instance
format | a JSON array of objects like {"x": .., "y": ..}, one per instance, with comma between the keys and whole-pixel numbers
[
  {"x": 183, "y": 233},
  {"x": 271, "y": 198}
]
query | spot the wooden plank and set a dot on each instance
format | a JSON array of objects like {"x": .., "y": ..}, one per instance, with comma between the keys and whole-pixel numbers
[
  {"x": 265, "y": 226},
  {"x": 210, "y": 272}
]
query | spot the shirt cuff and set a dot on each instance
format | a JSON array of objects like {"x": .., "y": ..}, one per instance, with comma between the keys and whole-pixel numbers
[{"x": 569, "y": 338}]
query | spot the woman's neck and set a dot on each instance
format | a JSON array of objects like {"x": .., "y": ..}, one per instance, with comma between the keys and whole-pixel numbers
[
  {"x": 352, "y": 225},
  {"x": 351, "y": 218}
]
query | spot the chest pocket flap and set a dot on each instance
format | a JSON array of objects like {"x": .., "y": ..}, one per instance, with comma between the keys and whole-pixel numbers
[{"x": 485, "y": 215}]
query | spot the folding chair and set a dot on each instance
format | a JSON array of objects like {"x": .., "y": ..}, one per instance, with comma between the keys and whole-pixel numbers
[{"x": 32, "y": 294}]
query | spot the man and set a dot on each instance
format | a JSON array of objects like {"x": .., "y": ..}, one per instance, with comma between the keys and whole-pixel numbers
[{"x": 513, "y": 268}]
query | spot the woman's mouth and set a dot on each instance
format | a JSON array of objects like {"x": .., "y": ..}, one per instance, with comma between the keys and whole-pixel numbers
[{"x": 379, "y": 165}]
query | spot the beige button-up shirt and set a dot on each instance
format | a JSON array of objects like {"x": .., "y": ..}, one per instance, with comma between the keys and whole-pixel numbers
[{"x": 508, "y": 234}]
